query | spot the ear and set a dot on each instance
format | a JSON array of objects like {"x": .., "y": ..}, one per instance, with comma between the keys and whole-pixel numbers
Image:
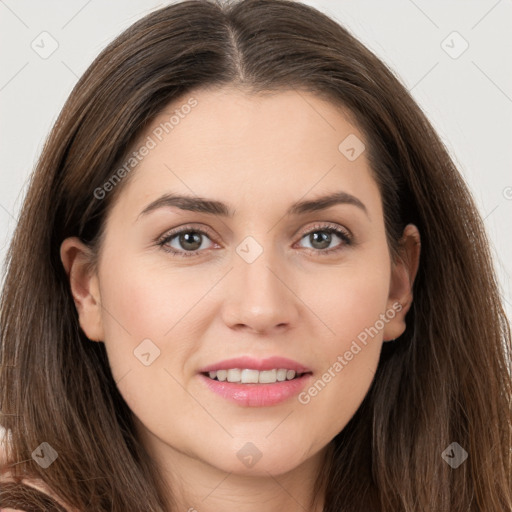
[
  {"x": 76, "y": 259},
  {"x": 403, "y": 273}
]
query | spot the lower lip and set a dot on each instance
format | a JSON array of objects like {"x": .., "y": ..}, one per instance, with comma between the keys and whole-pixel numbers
[{"x": 257, "y": 395}]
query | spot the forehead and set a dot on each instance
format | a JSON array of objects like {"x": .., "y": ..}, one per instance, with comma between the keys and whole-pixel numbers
[{"x": 250, "y": 149}]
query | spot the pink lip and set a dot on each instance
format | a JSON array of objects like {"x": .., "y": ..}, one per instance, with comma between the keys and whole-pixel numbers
[
  {"x": 251, "y": 363},
  {"x": 257, "y": 395}
]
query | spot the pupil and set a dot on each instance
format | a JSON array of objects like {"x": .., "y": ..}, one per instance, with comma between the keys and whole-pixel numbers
[
  {"x": 325, "y": 239},
  {"x": 194, "y": 239}
]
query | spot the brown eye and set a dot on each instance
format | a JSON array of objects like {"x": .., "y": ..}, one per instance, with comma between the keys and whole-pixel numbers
[
  {"x": 190, "y": 240},
  {"x": 184, "y": 242},
  {"x": 321, "y": 238}
]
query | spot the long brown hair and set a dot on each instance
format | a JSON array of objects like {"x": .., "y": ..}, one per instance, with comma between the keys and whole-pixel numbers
[{"x": 446, "y": 379}]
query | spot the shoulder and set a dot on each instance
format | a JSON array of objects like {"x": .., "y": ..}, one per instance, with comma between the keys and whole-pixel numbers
[
  {"x": 42, "y": 493},
  {"x": 6, "y": 477}
]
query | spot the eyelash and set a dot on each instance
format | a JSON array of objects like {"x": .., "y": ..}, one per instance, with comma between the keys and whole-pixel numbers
[{"x": 328, "y": 228}]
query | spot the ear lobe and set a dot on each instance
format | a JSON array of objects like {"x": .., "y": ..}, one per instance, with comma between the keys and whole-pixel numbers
[
  {"x": 84, "y": 285},
  {"x": 403, "y": 273}
]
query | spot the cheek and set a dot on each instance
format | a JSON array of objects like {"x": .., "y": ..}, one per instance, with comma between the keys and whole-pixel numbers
[
  {"x": 144, "y": 314},
  {"x": 151, "y": 326},
  {"x": 350, "y": 351},
  {"x": 348, "y": 300},
  {"x": 131, "y": 314},
  {"x": 141, "y": 301}
]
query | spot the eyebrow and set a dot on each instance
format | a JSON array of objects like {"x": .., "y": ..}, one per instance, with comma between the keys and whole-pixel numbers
[{"x": 218, "y": 208}]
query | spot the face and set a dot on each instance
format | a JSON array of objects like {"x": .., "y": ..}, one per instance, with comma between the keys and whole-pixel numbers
[{"x": 279, "y": 279}]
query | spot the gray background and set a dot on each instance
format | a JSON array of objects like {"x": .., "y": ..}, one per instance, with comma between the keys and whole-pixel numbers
[{"x": 468, "y": 98}]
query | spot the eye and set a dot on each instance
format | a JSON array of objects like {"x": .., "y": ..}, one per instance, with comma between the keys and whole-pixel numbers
[
  {"x": 188, "y": 239},
  {"x": 321, "y": 237}
]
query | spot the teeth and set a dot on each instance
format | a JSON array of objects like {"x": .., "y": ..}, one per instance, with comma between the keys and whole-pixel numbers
[
  {"x": 250, "y": 376},
  {"x": 290, "y": 374},
  {"x": 247, "y": 376},
  {"x": 267, "y": 376},
  {"x": 281, "y": 375},
  {"x": 234, "y": 375}
]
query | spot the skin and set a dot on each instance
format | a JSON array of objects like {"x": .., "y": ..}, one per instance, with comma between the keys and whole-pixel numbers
[{"x": 259, "y": 154}]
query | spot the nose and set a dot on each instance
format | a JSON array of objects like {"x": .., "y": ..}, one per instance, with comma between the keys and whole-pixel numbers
[{"x": 261, "y": 297}]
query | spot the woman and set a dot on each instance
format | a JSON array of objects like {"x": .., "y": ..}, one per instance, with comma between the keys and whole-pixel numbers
[{"x": 229, "y": 306}]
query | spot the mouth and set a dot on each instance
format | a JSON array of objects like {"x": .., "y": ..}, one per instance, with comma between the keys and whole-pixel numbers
[
  {"x": 252, "y": 382},
  {"x": 252, "y": 376},
  {"x": 256, "y": 383}
]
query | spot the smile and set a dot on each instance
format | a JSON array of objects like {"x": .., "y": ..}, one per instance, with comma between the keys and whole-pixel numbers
[{"x": 248, "y": 376}]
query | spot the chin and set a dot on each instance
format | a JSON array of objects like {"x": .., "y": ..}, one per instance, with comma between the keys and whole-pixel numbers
[{"x": 248, "y": 459}]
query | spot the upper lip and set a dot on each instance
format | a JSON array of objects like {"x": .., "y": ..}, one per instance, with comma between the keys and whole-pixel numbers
[{"x": 247, "y": 362}]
